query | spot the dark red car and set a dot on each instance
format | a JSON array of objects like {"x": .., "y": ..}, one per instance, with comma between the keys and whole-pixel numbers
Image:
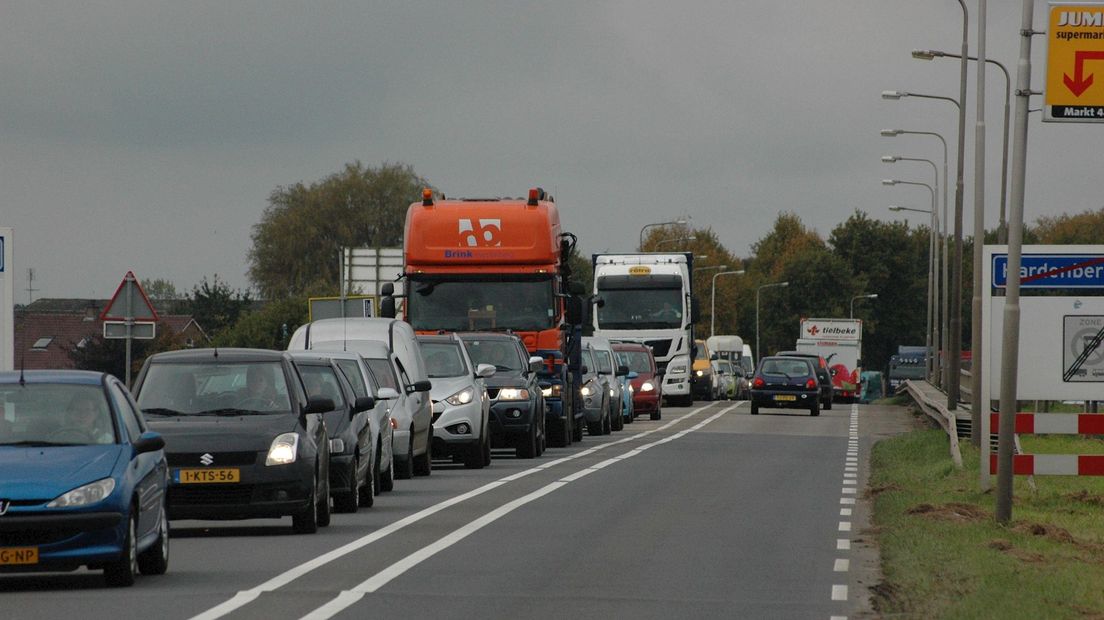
[{"x": 647, "y": 391}]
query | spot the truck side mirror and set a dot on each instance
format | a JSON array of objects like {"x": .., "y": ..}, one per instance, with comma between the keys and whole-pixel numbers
[
  {"x": 387, "y": 289},
  {"x": 573, "y": 310},
  {"x": 387, "y": 306},
  {"x": 576, "y": 288},
  {"x": 695, "y": 311}
]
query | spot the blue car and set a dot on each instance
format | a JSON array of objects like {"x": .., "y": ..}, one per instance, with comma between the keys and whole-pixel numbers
[{"x": 82, "y": 480}]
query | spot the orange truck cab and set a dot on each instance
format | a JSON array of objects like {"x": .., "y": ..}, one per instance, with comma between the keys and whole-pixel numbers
[{"x": 496, "y": 264}]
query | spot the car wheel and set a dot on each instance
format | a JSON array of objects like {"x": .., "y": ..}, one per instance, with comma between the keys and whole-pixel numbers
[
  {"x": 405, "y": 466},
  {"x": 531, "y": 447},
  {"x": 324, "y": 509},
  {"x": 423, "y": 465},
  {"x": 577, "y": 430},
  {"x": 349, "y": 501},
  {"x": 474, "y": 458},
  {"x": 155, "y": 560},
  {"x": 815, "y": 408},
  {"x": 607, "y": 424},
  {"x": 121, "y": 572},
  {"x": 387, "y": 479},
  {"x": 377, "y": 473},
  {"x": 828, "y": 405},
  {"x": 657, "y": 414},
  {"x": 754, "y": 409},
  {"x": 486, "y": 447},
  {"x": 306, "y": 522},
  {"x": 617, "y": 420}
]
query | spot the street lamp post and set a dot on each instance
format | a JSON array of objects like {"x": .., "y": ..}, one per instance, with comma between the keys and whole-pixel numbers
[
  {"x": 866, "y": 296},
  {"x": 758, "y": 354},
  {"x": 675, "y": 240},
  {"x": 955, "y": 327},
  {"x": 713, "y": 297},
  {"x": 678, "y": 222},
  {"x": 943, "y": 378},
  {"x": 931, "y": 337}
]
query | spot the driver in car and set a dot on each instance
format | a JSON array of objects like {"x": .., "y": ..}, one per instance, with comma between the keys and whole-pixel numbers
[
  {"x": 260, "y": 392},
  {"x": 86, "y": 415}
]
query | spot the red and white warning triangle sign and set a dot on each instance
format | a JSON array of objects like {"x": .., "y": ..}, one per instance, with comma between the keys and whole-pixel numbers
[{"x": 129, "y": 301}]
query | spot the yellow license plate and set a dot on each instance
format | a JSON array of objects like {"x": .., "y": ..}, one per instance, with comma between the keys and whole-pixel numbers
[
  {"x": 207, "y": 476},
  {"x": 785, "y": 397},
  {"x": 18, "y": 555}
]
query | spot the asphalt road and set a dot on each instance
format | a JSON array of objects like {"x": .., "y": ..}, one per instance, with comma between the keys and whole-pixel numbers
[{"x": 710, "y": 512}]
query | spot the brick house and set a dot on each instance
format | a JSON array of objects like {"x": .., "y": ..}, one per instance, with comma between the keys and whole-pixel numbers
[{"x": 47, "y": 329}]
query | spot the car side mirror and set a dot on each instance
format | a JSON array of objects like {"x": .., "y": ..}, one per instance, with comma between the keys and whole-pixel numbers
[
  {"x": 584, "y": 369},
  {"x": 632, "y": 374},
  {"x": 536, "y": 363},
  {"x": 622, "y": 371},
  {"x": 485, "y": 371},
  {"x": 386, "y": 394},
  {"x": 363, "y": 403},
  {"x": 319, "y": 405},
  {"x": 421, "y": 386},
  {"x": 148, "y": 441}
]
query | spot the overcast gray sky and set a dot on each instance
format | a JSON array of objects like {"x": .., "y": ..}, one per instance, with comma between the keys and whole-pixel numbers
[{"x": 147, "y": 136}]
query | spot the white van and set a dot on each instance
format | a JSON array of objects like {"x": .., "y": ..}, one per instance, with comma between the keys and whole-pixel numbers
[{"x": 379, "y": 339}]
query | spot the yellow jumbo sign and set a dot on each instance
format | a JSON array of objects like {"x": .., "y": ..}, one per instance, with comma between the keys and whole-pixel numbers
[{"x": 1075, "y": 57}]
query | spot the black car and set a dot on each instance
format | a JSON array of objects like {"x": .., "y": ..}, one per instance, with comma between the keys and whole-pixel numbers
[
  {"x": 241, "y": 437},
  {"x": 517, "y": 405},
  {"x": 352, "y": 477},
  {"x": 824, "y": 376},
  {"x": 785, "y": 382}
]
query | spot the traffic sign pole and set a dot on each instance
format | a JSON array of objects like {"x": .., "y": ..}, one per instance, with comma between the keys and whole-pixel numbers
[{"x": 129, "y": 325}]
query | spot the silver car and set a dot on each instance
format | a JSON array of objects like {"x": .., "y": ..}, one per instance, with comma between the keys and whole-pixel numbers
[
  {"x": 412, "y": 423},
  {"x": 461, "y": 406},
  {"x": 608, "y": 374},
  {"x": 364, "y": 383}
]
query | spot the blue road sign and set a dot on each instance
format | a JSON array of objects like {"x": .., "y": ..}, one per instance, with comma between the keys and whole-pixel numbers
[{"x": 1052, "y": 271}]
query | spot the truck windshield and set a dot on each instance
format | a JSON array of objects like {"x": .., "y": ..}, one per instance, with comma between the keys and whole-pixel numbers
[
  {"x": 470, "y": 304},
  {"x": 644, "y": 308}
]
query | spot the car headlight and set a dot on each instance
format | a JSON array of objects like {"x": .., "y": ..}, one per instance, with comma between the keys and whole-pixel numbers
[
  {"x": 83, "y": 496},
  {"x": 462, "y": 397},
  {"x": 284, "y": 449},
  {"x": 647, "y": 386},
  {"x": 513, "y": 394},
  {"x": 677, "y": 370},
  {"x": 587, "y": 391},
  {"x": 699, "y": 372}
]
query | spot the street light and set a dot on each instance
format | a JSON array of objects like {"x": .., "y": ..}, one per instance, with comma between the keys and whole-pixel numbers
[
  {"x": 955, "y": 336},
  {"x": 757, "y": 353},
  {"x": 866, "y": 296},
  {"x": 713, "y": 298},
  {"x": 678, "y": 222},
  {"x": 933, "y": 263},
  {"x": 711, "y": 267},
  {"x": 944, "y": 326},
  {"x": 1002, "y": 228},
  {"x": 932, "y": 335},
  {"x": 675, "y": 240}
]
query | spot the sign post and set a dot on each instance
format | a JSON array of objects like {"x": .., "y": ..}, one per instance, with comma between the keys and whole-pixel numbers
[
  {"x": 128, "y": 304},
  {"x": 7, "y": 302},
  {"x": 1075, "y": 54}
]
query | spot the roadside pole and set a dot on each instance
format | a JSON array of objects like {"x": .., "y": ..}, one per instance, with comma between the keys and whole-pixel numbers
[
  {"x": 1010, "y": 350},
  {"x": 129, "y": 318},
  {"x": 979, "y": 410}
]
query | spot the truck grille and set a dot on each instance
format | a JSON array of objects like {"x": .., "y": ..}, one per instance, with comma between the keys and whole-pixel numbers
[{"x": 660, "y": 348}]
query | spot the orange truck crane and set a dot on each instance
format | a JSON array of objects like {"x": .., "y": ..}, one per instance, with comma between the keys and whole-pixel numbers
[{"x": 498, "y": 264}]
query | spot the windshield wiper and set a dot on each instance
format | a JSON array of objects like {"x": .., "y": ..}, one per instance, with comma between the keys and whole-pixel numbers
[
  {"x": 230, "y": 411},
  {"x": 37, "y": 443},
  {"x": 163, "y": 411}
]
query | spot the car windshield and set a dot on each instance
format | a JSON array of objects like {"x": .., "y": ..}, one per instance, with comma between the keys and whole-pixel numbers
[
  {"x": 45, "y": 414},
  {"x": 381, "y": 368},
  {"x": 214, "y": 389},
  {"x": 605, "y": 365},
  {"x": 645, "y": 308},
  {"x": 502, "y": 354},
  {"x": 745, "y": 363},
  {"x": 443, "y": 359},
  {"x": 793, "y": 368},
  {"x": 637, "y": 361},
  {"x": 588, "y": 361},
  {"x": 469, "y": 304}
]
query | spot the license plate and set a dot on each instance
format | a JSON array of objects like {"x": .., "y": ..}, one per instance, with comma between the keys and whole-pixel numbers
[
  {"x": 206, "y": 476},
  {"x": 18, "y": 555},
  {"x": 785, "y": 397}
]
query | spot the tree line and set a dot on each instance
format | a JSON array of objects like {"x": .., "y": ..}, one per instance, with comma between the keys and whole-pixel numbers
[{"x": 296, "y": 248}]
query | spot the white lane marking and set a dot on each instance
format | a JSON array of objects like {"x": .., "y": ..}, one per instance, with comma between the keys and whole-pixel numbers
[
  {"x": 847, "y": 500},
  {"x": 845, "y": 526},
  {"x": 849, "y": 482},
  {"x": 849, "y": 490},
  {"x": 843, "y": 544},
  {"x": 245, "y": 597},
  {"x": 850, "y": 468},
  {"x": 838, "y": 618},
  {"x": 839, "y": 593},
  {"x": 845, "y": 512},
  {"x": 347, "y": 598},
  {"x": 842, "y": 565}
]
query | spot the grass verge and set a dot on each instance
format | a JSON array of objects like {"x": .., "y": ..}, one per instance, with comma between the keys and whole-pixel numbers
[{"x": 944, "y": 556}]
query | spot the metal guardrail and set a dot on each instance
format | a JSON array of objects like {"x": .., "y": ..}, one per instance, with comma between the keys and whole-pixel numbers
[{"x": 930, "y": 400}]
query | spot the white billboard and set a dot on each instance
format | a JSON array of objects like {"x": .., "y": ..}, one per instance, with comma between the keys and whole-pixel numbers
[
  {"x": 831, "y": 329},
  {"x": 7, "y": 302}
]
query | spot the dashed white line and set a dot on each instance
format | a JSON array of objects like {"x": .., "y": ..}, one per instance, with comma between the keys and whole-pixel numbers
[
  {"x": 839, "y": 593},
  {"x": 847, "y": 500},
  {"x": 845, "y": 512},
  {"x": 845, "y": 526},
  {"x": 843, "y": 544},
  {"x": 842, "y": 565}
]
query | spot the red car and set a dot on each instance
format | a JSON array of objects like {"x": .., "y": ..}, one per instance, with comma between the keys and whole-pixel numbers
[{"x": 647, "y": 391}]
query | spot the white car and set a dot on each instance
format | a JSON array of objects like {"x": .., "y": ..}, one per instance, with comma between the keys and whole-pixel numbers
[{"x": 461, "y": 406}]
